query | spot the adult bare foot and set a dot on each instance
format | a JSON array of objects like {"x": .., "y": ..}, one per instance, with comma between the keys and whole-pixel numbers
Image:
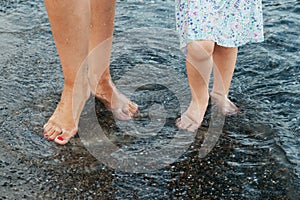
[
  {"x": 63, "y": 124},
  {"x": 69, "y": 22},
  {"x": 121, "y": 107},
  {"x": 192, "y": 118}
]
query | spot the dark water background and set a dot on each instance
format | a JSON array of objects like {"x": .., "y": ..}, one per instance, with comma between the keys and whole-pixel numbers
[{"x": 257, "y": 157}]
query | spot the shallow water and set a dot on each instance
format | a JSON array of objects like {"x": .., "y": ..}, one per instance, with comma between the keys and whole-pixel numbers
[{"x": 257, "y": 156}]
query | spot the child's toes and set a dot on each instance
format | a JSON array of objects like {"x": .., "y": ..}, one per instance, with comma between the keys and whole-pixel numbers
[{"x": 193, "y": 128}]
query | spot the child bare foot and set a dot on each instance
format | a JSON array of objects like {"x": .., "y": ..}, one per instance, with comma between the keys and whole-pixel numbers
[
  {"x": 192, "y": 118},
  {"x": 63, "y": 124},
  {"x": 223, "y": 104},
  {"x": 198, "y": 65},
  {"x": 199, "y": 44},
  {"x": 121, "y": 107}
]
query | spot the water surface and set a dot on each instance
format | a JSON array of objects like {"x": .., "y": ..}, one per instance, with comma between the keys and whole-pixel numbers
[{"x": 257, "y": 156}]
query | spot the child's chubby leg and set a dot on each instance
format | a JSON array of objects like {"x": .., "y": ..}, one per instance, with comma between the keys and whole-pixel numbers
[
  {"x": 224, "y": 64},
  {"x": 199, "y": 65}
]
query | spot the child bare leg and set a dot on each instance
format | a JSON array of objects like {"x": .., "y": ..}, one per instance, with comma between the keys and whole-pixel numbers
[
  {"x": 199, "y": 65},
  {"x": 224, "y": 64},
  {"x": 69, "y": 22},
  {"x": 100, "y": 43}
]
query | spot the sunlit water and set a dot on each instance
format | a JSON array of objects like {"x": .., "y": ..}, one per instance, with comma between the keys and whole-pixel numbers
[{"x": 257, "y": 157}]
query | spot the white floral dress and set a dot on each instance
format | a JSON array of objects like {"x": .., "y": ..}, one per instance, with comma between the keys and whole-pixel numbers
[{"x": 229, "y": 23}]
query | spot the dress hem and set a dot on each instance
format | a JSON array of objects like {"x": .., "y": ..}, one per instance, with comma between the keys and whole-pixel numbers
[{"x": 189, "y": 40}]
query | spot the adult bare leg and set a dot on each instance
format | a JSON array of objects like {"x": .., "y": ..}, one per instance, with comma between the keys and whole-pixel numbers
[
  {"x": 69, "y": 21},
  {"x": 100, "y": 43}
]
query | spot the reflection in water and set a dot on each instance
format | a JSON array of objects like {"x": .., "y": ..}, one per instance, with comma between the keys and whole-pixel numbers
[{"x": 257, "y": 156}]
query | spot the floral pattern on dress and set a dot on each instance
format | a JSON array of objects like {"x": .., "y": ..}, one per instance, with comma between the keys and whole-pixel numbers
[{"x": 229, "y": 23}]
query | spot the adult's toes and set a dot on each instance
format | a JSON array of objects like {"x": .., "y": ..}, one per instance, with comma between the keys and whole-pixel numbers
[
  {"x": 133, "y": 111},
  {"x": 126, "y": 111},
  {"x": 122, "y": 115},
  {"x": 133, "y": 108},
  {"x": 47, "y": 127},
  {"x": 49, "y": 133},
  {"x": 65, "y": 137},
  {"x": 125, "y": 114},
  {"x": 61, "y": 140},
  {"x": 53, "y": 136}
]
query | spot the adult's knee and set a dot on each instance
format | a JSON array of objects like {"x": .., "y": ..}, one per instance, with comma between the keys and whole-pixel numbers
[{"x": 200, "y": 50}]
